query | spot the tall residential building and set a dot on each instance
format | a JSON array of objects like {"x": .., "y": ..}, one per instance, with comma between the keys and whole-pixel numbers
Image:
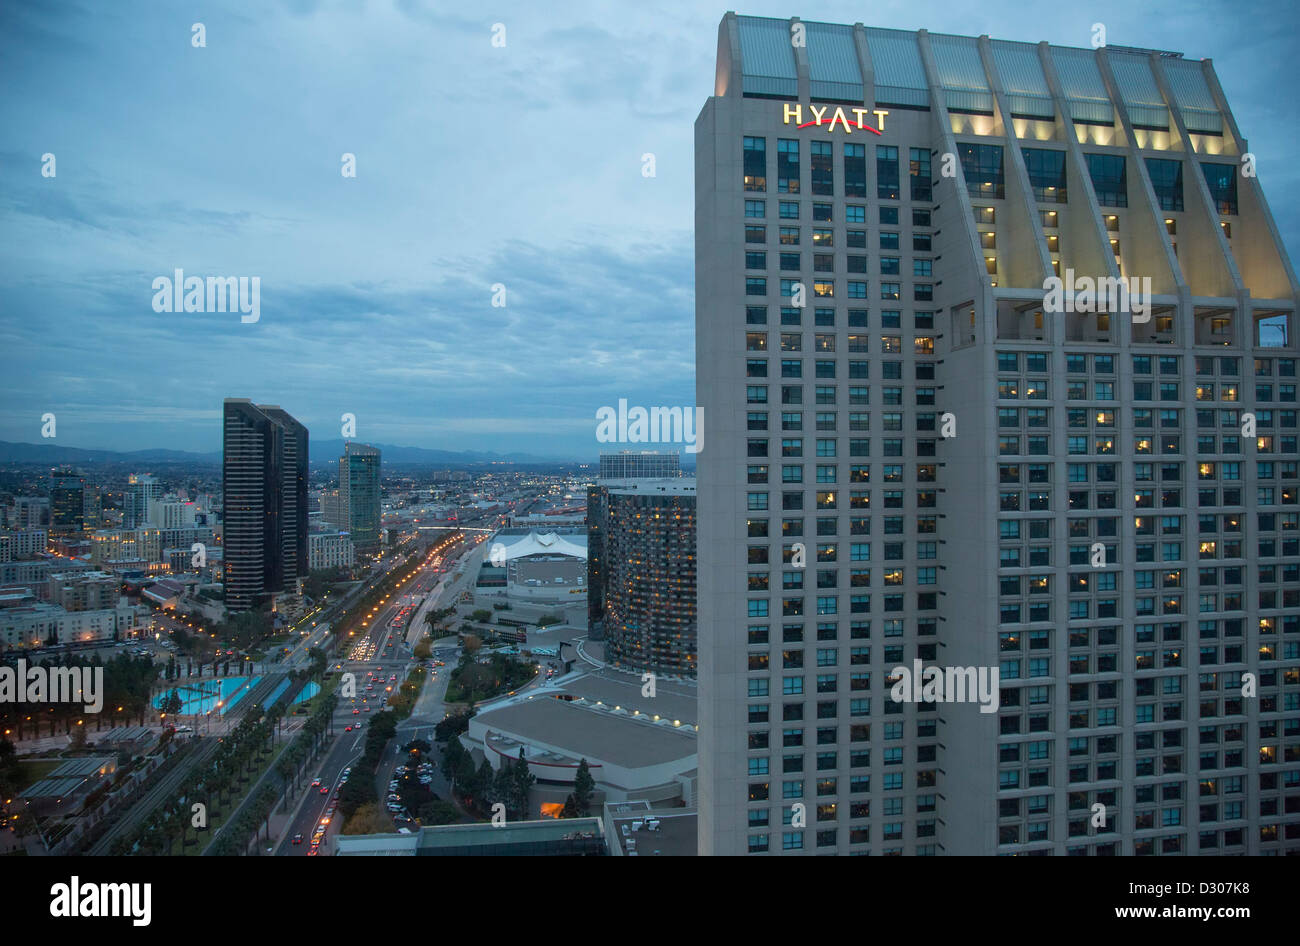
[
  {"x": 629, "y": 464},
  {"x": 141, "y": 489},
  {"x": 645, "y": 581},
  {"x": 919, "y": 455},
  {"x": 333, "y": 509},
  {"x": 359, "y": 486},
  {"x": 31, "y": 512},
  {"x": 293, "y": 495},
  {"x": 92, "y": 509},
  {"x": 170, "y": 514},
  {"x": 596, "y": 513},
  {"x": 264, "y": 479},
  {"x": 67, "y": 502}
]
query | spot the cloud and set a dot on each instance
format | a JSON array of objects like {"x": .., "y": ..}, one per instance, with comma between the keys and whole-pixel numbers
[{"x": 477, "y": 165}]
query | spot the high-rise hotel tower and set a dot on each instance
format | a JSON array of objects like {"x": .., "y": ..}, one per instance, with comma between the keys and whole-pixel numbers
[
  {"x": 916, "y": 453},
  {"x": 264, "y": 502}
]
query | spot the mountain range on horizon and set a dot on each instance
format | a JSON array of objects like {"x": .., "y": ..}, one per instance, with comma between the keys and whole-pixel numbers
[{"x": 322, "y": 451}]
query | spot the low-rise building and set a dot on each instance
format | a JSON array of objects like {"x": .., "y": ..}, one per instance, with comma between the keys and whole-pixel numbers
[
  {"x": 330, "y": 550},
  {"x": 28, "y": 623},
  {"x": 545, "y": 838}
]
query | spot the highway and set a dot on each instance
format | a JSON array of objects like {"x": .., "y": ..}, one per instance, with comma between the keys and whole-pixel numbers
[{"x": 383, "y": 648}]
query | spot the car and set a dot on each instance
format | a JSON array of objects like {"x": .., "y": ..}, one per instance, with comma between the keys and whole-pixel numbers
[
  {"x": 315, "y": 783},
  {"x": 356, "y": 712},
  {"x": 324, "y": 789},
  {"x": 347, "y": 729},
  {"x": 313, "y": 851},
  {"x": 297, "y": 839}
]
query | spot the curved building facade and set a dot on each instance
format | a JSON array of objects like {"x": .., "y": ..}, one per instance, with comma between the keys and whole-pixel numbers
[{"x": 649, "y": 575}]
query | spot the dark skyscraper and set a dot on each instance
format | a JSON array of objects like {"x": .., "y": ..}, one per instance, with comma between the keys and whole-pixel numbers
[
  {"x": 359, "y": 486},
  {"x": 67, "y": 502},
  {"x": 264, "y": 478},
  {"x": 293, "y": 494}
]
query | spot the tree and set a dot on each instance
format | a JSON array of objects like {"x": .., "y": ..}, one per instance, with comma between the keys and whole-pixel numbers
[
  {"x": 417, "y": 745},
  {"x": 451, "y": 726},
  {"x": 368, "y": 819},
  {"x": 483, "y": 786},
  {"x": 583, "y": 787},
  {"x": 512, "y": 783},
  {"x": 438, "y": 812}
]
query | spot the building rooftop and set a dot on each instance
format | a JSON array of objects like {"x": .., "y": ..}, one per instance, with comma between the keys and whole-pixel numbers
[
  {"x": 673, "y": 833},
  {"x": 896, "y": 59},
  {"x": 673, "y": 699},
  {"x": 600, "y": 734},
  {"x": 542, "y": 543},
  {"x": 646, "y": 486}
]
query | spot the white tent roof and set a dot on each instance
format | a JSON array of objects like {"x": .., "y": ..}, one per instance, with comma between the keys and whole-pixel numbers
[{"x": 546, "y": 543}]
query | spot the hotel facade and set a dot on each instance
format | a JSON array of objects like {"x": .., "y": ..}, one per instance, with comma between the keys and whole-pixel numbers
[{"x": 921, "y": 450}]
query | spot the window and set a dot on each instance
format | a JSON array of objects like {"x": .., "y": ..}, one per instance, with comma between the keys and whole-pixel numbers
[
  {"x": 1167, "y": 181},
  {"x": 982, "y": 167},
  {"x": 787, "y": 166},
  {"x": 755, "y": 164},
  {"x": 1047, "y": 174},
  {"x": 1109, "y": 179},
  {"x": 855, "y": 171},
  {"x": 887, "y": 184},
  {"x": 756, "y": 208},
  {"x": 823, "y": 175},
  {"x": 1222, "y": 179},
  {"x": 919, "y": 168}
]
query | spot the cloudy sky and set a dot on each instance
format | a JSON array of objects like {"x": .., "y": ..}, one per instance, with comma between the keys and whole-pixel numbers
[{"x": 475, "y": 165}]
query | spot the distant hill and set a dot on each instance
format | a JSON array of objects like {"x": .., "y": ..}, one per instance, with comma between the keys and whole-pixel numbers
[
  {"x": 53, "y": 454},
  {"x": 322, "y": 451},
  {"x": 328, "y": 451}
]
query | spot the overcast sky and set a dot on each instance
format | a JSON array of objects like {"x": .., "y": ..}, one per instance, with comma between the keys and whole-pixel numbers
[{"x": 475, "y": 165}]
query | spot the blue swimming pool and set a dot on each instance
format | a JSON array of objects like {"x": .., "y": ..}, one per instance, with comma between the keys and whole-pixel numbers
[{"x": 207, "y": 696}]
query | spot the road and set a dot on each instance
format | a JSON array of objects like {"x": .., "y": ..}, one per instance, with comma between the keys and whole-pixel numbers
[{"x": 382, "y": 648}]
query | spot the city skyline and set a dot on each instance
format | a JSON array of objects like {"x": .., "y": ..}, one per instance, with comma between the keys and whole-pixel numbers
[
  {"x": 381, "y": 285},
  {"x": 651, "y": 430}
]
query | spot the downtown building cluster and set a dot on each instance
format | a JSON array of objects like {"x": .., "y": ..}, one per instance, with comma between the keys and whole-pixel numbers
[{"x": 912, "y": 457}]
